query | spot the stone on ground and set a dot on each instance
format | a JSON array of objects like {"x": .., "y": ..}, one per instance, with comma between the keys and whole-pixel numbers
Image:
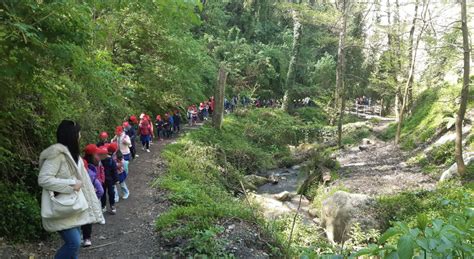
[
  {"x": 252, "y": 182},
  {"x": 283, "y": 196},
  {"x": 452, "y": 172},
  {"x": 342, "y": 210}
]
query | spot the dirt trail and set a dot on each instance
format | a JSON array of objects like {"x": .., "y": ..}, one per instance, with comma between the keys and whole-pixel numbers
[
  {"x": 128, "y": 234},
  {"x": 381, "y": 169},
  {"x": 132, "y": 228}
]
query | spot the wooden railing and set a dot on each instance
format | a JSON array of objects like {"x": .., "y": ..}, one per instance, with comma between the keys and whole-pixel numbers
[{"x": 365, "y": 109}]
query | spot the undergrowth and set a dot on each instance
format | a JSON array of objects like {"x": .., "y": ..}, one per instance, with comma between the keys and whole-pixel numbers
[
  {"x": 435, "y": 160},
  {"x": 206, "y": 165},
  {"x": 433, "y": 109},
  {"x": 448, "y": 198}
]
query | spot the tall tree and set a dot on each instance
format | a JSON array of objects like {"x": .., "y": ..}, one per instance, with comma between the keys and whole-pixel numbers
[
  {"x": 464, "y": 90},
  {"x": 290, "y": 76},
  {"x": 340, "y": 69},
  {"x": 219, "y": 97},
  {"x": 412, "y": 54}
]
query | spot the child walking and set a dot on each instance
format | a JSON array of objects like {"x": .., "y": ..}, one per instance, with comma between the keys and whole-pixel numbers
[
  {"x": 159, "y": 127},
  {"x": 145, "y": 131},
  {"x": 122, "y": 169},
  {"x": 123, "y": 141},
  {"x": 124, "y": 144},
  {"x": 111, "y": 178},
  {"x": 91, "y": 160},
  {"x": 132, "y": 131},
  {"x": 177, "y": 121}
]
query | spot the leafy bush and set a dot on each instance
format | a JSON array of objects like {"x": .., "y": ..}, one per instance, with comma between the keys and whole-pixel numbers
[
  {"x": 21, "y": 220},
  {"x": 435, "y": 239},
  {"x": 207, "y": 242},
  {"x": 437, "y": 224},
  {"x": 311, "y": 114},
  {"x": 407, "y": 206}
]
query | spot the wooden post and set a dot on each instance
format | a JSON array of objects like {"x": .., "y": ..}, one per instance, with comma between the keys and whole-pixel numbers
[{"x": 219, "y": 98}]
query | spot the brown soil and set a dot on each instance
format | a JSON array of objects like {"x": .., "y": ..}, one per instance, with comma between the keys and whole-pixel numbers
[{"x": 381, "y": 169}]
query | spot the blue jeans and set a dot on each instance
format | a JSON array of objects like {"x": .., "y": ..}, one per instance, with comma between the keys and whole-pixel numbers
[{"x": 72, "y": 243}]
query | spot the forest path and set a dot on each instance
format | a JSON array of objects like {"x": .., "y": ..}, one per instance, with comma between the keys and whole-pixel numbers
[
  {"x": 131, "y": 232},
  {"x": 380, "y": 169}
]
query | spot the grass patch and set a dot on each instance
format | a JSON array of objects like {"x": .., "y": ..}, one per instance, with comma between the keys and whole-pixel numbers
[
  {"x": 433, "y": 109},
  {"x": 447, "y": 199},
  {"x": 204, "y": 169},
  {"x": 438, "y": 158},
  {"x": 354, "y": 133}
]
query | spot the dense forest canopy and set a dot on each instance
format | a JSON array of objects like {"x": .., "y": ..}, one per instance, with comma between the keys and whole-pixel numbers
[{"x": 98, "y": 62}]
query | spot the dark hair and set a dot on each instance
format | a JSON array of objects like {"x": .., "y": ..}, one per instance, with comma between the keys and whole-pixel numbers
[
  {"x": 119, "y": 155},
  {"x": 68, "y": 135},
  {"x": 91, "y": 159}
]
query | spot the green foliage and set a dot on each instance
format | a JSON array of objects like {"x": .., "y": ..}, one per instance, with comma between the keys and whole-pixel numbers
[
  {"x": 436, "y": 239},
  {"x": 208, "y": 243},
  {"x": 354, "y": 136},
  {"x": 436, "y": 224},
  {"x": 436, "y": 159},
  {"x": 431, "y": 112},
  {"x": 204, "y": 169},
  {"x": 307, "y": 239},
  {"x": 311, "y": 115},
  {"x": 94, "y": 62},
  {"x": 448, "y": 198},
  {"x": 20, "y": 219}
]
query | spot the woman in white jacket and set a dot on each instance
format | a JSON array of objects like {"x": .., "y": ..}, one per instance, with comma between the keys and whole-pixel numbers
[{"x": 62, "y": 171}]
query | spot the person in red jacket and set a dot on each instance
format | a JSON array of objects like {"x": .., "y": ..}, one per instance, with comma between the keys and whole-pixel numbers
[
  {"x": 145, "y": 132},
  {"x": 211, "y": 105}
]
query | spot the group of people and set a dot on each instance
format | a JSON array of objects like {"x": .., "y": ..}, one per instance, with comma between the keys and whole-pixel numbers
[
  {"x": 363, "y": 101},
  {"x": 77, "y": 190},
  {"x": 202, "y": 112}
]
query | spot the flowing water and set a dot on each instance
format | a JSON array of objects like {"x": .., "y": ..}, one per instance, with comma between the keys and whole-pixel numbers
[{"x": 288, "y": 181}]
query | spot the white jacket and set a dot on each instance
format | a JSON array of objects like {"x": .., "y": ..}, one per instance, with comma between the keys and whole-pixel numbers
[
  {"x": 57, "y": 176},
  {"x": 124, "y": 143}
]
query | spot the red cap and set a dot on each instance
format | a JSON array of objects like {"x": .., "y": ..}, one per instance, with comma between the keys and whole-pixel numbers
[
  {"x": 118, "y": 130},
  {"x": 90, "y": 149},
  {"x": 102, "y": 150},
  {"x": 133, "y": 118},
  {"x": 112, "y": 147},
  {"x": 125, "y": 124},
  {"x": 103, "y": 135}
]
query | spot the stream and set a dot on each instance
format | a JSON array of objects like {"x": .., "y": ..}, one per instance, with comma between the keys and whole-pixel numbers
[{"x": 280, "y": 199}]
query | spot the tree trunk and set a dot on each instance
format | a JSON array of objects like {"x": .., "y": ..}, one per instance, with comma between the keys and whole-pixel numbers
[
  {"x": 411, "y": 71},
  {"x": 340, "y": 71},
  {"x": 398, "y": 51},
  {"x": 219, "y": 98},
  {"x": 287, "y": 104},
  {"x": 464, "y": 90},
  {"x": 412, "y": 61}
]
